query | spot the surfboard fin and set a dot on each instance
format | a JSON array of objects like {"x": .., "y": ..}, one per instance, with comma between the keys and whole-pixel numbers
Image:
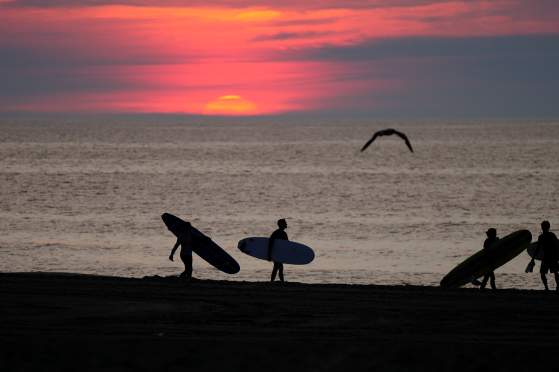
[
  {"x": 530, "y": 266},
  {"x": 475, "y": 281}
]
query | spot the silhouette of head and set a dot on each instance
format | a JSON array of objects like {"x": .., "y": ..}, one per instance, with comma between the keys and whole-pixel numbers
[
  {"x": 545, "y": 226},
  {"x": 491, "y": 232},
  {"x": 187, "y": 226},
  {"x": 282, "y": 224}
]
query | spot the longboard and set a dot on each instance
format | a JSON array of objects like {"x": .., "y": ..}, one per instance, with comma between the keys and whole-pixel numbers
[
  {"x": 203, "y": 246},
  {"x": 488, "y": 260},
  {"x": 283, "y": 251}
]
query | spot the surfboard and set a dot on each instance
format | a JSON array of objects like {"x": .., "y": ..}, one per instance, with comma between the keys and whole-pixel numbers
[
  {"x": 283, "y": 251},
  {"x": 488, "y": 260},
  {"x": 532, "y": 249},
  {"x": 203, "y": 246}
]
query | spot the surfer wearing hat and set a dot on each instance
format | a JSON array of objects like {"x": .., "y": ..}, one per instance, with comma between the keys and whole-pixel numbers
[
  {"x": 547, "y": 241},
  {"x": 278, "y": 234},
  {"x": 184, "y": 239},
  {"x": 491, "y": 239}
]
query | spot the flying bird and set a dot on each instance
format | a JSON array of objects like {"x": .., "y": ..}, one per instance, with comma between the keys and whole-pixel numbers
[{"x": 388, "y": 132}]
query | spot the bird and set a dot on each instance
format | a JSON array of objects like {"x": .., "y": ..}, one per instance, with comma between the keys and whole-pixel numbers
[{"x": 388, "y": 132}]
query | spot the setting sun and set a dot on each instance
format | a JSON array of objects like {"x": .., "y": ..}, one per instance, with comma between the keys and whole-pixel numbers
[{"x": 230, "y": 104}]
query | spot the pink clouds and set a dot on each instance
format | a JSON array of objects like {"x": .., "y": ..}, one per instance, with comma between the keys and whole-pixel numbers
[{"x": 181, "y": 57}]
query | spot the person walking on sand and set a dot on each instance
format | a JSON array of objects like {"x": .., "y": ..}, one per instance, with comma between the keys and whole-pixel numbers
[
  {"x": 282, "y": 235},
  {"x": 491, "y": 239},
  {"x": 184, "y": 239},
  {"x": 547, "y": 241}
]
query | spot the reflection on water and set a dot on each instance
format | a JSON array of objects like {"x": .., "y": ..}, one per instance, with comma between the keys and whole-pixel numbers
[{"x": 87, "y": 197}]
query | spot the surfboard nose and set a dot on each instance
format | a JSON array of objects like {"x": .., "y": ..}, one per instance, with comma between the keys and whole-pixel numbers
[{"x": 242, "y": 245}]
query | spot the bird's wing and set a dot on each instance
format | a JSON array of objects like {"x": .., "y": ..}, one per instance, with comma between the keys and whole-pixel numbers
[
  {"x": 409, "y": 145},
  {"x": 405, "y": 138},
  {"x": 369, "y": 142}
]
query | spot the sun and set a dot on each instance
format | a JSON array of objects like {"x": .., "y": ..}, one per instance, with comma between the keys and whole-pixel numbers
[{"x": 231, "y": 104}]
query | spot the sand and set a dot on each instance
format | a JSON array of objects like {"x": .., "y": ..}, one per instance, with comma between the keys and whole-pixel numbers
[{"x": 80, "y": 323}]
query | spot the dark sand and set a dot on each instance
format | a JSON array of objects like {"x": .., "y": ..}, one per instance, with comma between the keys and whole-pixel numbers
[{"x": 57, "y": 322}]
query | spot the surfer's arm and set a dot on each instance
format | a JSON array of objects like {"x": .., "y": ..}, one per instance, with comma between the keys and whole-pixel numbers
[
  {"x": 174, "y": 250},
  {"x": 538, "y": 246}
]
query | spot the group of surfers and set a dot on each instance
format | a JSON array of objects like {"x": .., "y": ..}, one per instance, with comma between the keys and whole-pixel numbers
[
  {"x": 184, "y": 239},
  {"x": 547, "y": 243}
]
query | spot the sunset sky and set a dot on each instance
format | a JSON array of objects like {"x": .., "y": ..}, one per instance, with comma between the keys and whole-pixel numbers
[{"x": 402, "y": 57}]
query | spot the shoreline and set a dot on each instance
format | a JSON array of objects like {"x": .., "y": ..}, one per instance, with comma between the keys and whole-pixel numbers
[
  {"x": 63, "y": 320},
  {"x": 175, "y": 279}
]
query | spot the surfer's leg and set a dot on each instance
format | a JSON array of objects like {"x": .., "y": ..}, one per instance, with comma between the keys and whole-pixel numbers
[
  {"x": 274, "y": 272},
  {"x": 543, "y": 271},
  {"x": 484, "y": 281},
  {"x": 187, "y": 260},
  {"x": 544, "y": 281},
  {"x": 492, "y": 280},
  {"x": 281, "y": 272}
]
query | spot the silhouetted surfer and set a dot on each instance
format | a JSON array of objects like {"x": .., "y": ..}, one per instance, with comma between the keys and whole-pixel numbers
[
  {"x": 278, "y": 234},
  {"x": 388, "y": 132},
  {"x": 491, "y": 239},
  {"x": 547, "y": 241},
  {"x": 185, "y": 241}
]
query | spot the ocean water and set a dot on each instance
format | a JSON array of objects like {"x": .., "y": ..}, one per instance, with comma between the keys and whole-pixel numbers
[{"x": 86, "y": 195}]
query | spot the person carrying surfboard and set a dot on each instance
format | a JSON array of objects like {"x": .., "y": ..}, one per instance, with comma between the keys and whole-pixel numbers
[
  {"x": 184, "y": 239},
  {"x": 491, "y": 239},
  {"x": 547, "y": 241},
  {"x": 282, "y": 235}
]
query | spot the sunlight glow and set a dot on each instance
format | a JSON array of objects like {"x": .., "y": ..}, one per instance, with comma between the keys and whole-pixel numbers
[{"x": 230, "y": 104}]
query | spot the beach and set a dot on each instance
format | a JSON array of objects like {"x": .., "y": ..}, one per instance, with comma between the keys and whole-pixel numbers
[{"x": 58, "y": 321}]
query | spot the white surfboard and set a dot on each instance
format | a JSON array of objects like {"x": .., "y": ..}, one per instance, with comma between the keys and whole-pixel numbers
[
  {"x": 283, "y": 251},
  {"x": 532, "y": 250}
]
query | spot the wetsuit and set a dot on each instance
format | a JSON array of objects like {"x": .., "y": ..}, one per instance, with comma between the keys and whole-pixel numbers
[
  {"x": 185, "y": 241},
  {"x": 491, "y": 275},
  {"x": 279, "y": 234},
  {"x": 548, "y": 242}
]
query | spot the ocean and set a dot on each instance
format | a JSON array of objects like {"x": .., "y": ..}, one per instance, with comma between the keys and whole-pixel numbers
[{"x": 86, "y": 195}]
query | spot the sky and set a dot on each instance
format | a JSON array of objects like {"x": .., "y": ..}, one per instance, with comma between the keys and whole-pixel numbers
[{"x": 411, "y": 58}]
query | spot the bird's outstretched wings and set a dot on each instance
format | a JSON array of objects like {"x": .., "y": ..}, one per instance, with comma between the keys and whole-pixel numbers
[{"x": 388, "y": 132}]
